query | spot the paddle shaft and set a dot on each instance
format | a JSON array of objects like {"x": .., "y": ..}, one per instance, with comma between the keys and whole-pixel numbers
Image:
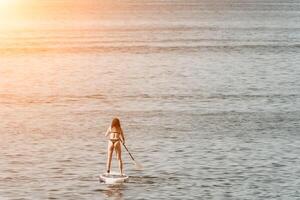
[{"x": 128, "y": 151}]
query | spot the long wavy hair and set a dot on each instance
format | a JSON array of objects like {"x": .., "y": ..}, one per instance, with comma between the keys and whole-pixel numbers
[{"x": 116, "y": 124}]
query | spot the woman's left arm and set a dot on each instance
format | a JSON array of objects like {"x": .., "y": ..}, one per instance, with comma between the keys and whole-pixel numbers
[{"x": 107, "y": 132}]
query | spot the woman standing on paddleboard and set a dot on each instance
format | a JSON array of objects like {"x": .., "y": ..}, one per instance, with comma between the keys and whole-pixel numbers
[{"x": 116, "y": 136}]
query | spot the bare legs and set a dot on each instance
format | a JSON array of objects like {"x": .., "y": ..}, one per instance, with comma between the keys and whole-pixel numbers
[
  {"x": 110, "y": 149},
  {"x": 119, "y": 157}
]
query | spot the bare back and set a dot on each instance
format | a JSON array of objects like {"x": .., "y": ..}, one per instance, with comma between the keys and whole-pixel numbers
[{"x": 115, "y": 133}]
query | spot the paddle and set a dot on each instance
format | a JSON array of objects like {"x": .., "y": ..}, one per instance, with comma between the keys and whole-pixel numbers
[{"x": 137, "y": 165}]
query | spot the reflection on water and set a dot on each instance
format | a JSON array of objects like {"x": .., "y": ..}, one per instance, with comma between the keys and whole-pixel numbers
[{"x": 114, "y": 191}]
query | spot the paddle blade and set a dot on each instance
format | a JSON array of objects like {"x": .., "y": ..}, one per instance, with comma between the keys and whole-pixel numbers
[{"x": 138, "y": 166}]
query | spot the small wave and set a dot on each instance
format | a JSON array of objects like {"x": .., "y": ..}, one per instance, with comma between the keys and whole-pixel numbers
[
  {"x": 141, "y": 49},
  {"x": 209, "y": 97},
  {"x": 22, "y": 99},
  {"x": 144, "y": 179},
  {"x": 251, "y": 96}
]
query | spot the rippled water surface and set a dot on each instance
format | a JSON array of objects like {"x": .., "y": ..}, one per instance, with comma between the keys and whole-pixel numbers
[{"x": 208, "y": 94}]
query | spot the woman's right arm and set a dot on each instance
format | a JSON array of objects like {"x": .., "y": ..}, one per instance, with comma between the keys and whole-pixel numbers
[{"x": 122, "y": 137}]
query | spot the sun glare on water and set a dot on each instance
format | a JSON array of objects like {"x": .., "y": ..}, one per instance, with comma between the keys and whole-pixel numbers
[
  {"x": 8, "y": 13},
  {"x": 6, "y": 6},
  {"x": 4, "y": 3}
]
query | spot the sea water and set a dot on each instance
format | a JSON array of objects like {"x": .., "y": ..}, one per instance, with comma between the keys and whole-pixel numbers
[{"x": 208, "y": 94}]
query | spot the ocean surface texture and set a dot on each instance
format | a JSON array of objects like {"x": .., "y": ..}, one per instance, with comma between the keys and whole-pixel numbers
[{"x": 208, "y": 93}]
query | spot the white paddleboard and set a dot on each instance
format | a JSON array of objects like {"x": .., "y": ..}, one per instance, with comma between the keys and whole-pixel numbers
[{"x": 112, "y": 178}]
